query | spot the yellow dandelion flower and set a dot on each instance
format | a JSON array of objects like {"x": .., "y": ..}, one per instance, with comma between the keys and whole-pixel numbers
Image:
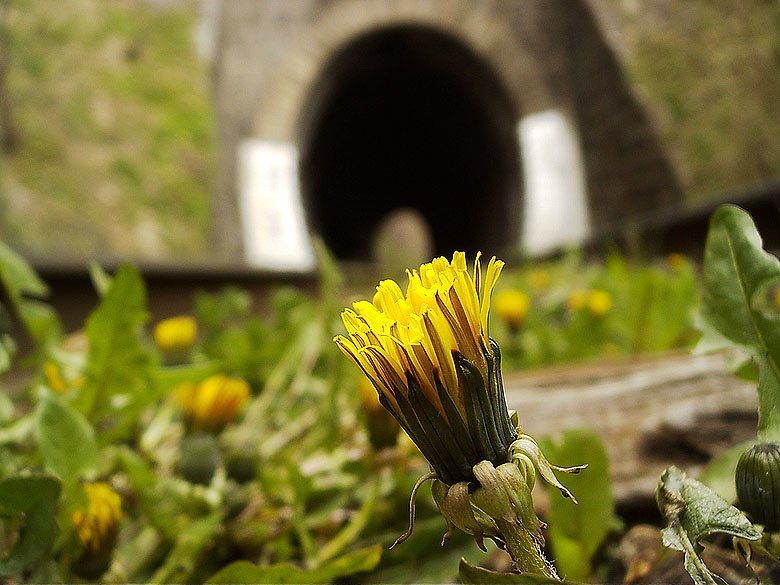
[
  {"x": 97, "y": 526},
  {"x": 176, "y": 334},
  {"x": 214, "y": 402},
  {"x": 429, "y": 356},
  {"x": 599, "y": 302},
  {"x": 512, "y": 306}
]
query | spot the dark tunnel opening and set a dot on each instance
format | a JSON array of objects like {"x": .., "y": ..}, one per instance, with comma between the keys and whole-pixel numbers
[{"x": 408, "y": 116}]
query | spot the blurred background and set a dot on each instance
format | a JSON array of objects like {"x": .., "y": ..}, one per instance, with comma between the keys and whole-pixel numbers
[{"x": 227, "y": 133}]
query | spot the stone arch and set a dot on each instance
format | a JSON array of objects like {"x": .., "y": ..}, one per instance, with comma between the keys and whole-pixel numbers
[
  {"x": 321, "y": 29},
  {"x": 408, "y": 116},
  {"x": 545, "y": 54}
]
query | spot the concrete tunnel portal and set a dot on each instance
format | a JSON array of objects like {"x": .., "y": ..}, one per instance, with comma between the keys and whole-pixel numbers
[{"x": 409, "y": 116}]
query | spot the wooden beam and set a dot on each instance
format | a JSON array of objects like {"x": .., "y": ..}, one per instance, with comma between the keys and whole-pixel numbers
[{"x": 651, "y": 413}]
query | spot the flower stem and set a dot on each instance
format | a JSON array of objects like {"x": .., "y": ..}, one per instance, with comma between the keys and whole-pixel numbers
[{"x": 525, "y": 550}]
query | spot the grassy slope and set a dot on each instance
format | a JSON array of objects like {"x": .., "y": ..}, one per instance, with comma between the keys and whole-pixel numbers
[
  {"x": 113, "y": 111},
  {"x": 710, "y": 72}
]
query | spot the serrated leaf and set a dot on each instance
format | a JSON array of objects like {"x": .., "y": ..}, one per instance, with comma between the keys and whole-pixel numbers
[
  {"x": 692, "y": 512},
  {"x": 736, "y": 274},
  {"x": 479, "y": 576},
  {"x": 66, "y": 439},
  {"x": 116, "y": 362},
  {"x": 36, "y": 498},
  {"x": 358, "y": 561}
]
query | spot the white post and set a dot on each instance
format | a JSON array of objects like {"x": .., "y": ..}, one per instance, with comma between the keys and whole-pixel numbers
[
  {"x": 272, "y": 217},
  {"x": 555, "y": 202}
]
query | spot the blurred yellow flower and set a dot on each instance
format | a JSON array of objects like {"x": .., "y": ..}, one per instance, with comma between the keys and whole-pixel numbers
[
  {"x": 599, "y": 302},
  {"x": 98, "y": 525},
  {"x": 429, "y": 356},
  {"x": 539, "y": 279},
  {"x": 176, "y": 334},
  {"x": 512, "y": 306},
  {"x": 54, "y": 377},
  {"x": 59, "y": 379},
  {"x": 214, "y": 402},
  {"x": 576, "y": 299},
  {"x": 777, "y": 298}
]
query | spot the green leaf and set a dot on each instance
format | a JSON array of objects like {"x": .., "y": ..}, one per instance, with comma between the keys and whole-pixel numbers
[
  {"x": 20, "y": 282},
  {"x": 736, "y": 275},
  {"x": 66, "y": 439},
  {"x": 577, "y": 531},
  {"x": 142, "y": 476},
  {"x": 358, "y": 561},
  {"x": 35, "y": 497},
  {"x": 478, "y": 576},
  {"x": 41, "y": 322},
  {"x": 692, "y": 512},
  {"x": 18, "y": 277},
  {"x": 117, "y": 362},
  {"x": 768, "y": 399}
]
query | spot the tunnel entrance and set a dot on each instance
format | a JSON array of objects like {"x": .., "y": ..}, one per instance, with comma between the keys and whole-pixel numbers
[{"x": 410, "y": 117}]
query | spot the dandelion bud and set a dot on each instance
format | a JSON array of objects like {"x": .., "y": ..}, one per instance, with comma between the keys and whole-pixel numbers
[
  {"x": 199, "y": 458},
  {"x": 758, "y": 484}
]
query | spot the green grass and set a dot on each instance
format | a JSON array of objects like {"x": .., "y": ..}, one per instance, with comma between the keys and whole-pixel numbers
[
  {"x": 116, "y": 126},
  {"x": 710, "y": 72}
]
